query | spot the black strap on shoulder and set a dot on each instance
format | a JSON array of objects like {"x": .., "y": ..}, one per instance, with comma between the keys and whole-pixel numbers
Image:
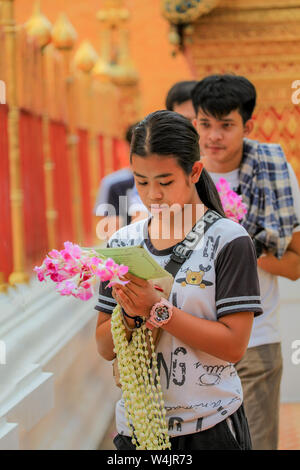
[{"x": 183, "y": 250}]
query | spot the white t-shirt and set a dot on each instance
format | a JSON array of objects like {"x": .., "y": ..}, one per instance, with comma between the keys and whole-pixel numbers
[
  {"x": 219, "y": 278},
  {"x": 266, "y": 327}
]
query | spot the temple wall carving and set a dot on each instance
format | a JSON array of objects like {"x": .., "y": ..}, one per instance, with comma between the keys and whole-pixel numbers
[{"x": 260, "y": 40}]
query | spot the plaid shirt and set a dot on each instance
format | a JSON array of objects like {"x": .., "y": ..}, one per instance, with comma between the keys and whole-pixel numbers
[{"x": 266, "y": 190}]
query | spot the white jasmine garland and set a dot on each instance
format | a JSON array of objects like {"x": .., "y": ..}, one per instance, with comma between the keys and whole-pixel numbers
[{"x": 142, "y": 393}]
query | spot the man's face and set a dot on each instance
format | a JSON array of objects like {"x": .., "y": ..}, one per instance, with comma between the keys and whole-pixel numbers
[
  {"x": 186, "y": 109},
  {"x": 221, "y": 140}
]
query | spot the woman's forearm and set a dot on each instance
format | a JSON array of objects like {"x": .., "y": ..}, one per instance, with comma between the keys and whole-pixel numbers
[
  {"x": 226, "y": 339},
  {"x": 104, "y": 341}
]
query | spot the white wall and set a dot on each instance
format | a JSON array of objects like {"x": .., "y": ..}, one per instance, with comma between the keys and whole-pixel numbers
[{"x": 290, "y": 334}]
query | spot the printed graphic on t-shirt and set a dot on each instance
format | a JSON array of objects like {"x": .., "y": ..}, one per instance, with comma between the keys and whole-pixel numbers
[
  {"x": 195, "y": 278},
  {"x": 211, "y": 374},
  {"x": 211, "y": 247},
  {"x": 174, "y": 368}
]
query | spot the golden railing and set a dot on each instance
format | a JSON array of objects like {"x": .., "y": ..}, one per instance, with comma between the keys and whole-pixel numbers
[{"x": 53, "y": 81}]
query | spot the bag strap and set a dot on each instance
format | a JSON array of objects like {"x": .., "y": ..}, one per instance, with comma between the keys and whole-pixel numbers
[{"x": 183, "y": 250}]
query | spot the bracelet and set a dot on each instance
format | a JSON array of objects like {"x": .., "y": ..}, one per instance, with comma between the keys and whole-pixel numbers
[
  {"x": 138, "y": 321},
  {"x": 126, "y": 314},
  {"x": 126, "y": 324}
]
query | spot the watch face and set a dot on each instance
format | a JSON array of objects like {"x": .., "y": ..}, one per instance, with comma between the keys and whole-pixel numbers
[{"x": 162, "y": 313}]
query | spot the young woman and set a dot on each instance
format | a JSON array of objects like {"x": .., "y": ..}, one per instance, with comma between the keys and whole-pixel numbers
[{"x": 208, "y": 318}]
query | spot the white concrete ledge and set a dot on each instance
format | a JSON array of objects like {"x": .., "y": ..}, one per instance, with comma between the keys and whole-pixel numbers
[
  {"x": 56, "y": 391},
  {"x": 9, "y": 435}
]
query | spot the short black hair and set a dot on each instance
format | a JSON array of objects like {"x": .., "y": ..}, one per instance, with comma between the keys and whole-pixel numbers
[
  {"x": 219, "y": 95},
  {"x": 129, "y": 131},
  {"x": 179, "y": 93}
]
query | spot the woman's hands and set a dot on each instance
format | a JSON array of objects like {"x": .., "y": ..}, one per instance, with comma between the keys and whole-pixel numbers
[{"x": 137, "y": 297}]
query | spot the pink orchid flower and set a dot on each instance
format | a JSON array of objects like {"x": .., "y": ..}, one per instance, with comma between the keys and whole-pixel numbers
[
  {"x": 76, "y": 270},
  {"x": 232, "y": 203}
]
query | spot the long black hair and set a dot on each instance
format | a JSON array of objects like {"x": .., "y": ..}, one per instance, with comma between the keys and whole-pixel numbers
[{"x": 171, "y": 134}]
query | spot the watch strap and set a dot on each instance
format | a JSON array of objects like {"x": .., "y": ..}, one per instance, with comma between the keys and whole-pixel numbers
[{"x": 153, "y": 320}]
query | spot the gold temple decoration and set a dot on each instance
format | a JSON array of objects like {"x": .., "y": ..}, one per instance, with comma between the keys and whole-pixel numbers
[
  {"x": 102, "y": 68},
  {"x": 115, "y": 64},
  {"x": 181, "y": 15},
  {"x": 112, "y": 13},
  {"x": 181, "y": 11},
  {"x": 64, "y": 34},
  {"x": 19, "y": 274},
  {"x": 86, "y": 57},
  {"x": 109, "y": 17},
  {"x": 259, "y": 39},
  {"x": 124, "y": 72},
  {"x": 39, "y": 28},
  {"x": 115, "y": 75},
  {"x": 45, "y": 81},
  {"x": 64, "y": 37}
]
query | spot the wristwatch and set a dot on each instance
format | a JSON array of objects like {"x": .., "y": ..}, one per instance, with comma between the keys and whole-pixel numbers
[{"x": 160, "y": 314}]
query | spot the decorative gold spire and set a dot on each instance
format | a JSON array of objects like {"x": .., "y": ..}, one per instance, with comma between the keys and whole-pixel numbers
[
  {"x": 113, "y": 13},
  {"x": 120, "y": 69},
  {"x": 64, "y": 35},
  {"x": 102, "y": 68},
  {"x": 86, "y": 57},
  {"x": 39, "y": 27},
  {"x": 181, "y": 16},
  {"x": 124, "y": 72}
]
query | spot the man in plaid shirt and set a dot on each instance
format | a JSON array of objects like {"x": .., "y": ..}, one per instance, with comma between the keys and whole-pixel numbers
[{"x": 260, "y": 173}]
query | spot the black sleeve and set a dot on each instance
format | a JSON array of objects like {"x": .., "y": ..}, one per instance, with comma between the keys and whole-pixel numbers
[
  {"x": 237, "y": 284},
  {"x": 106, "y": 303}
]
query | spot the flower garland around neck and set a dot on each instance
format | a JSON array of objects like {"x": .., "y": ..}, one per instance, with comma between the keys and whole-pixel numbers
[{"x": 140, "y": 381}]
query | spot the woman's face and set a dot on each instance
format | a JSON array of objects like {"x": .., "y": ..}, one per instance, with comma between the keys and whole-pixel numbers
[{"x": 162, "y": 183}]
